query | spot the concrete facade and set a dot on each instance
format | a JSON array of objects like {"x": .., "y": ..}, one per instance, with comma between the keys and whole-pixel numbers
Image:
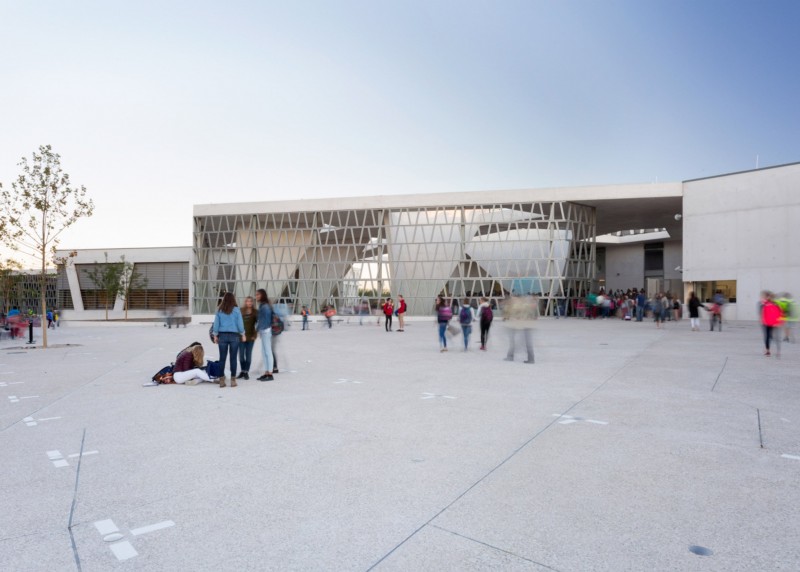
[
  {"x": 138, "y": 256},
  {"x": 744, "y": 227}
]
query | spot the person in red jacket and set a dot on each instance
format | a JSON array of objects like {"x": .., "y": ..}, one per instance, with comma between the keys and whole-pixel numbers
[
  {"x": 388, "y": 310},
  {"x": 771, "y": 318},
  {"x": 401, "y": 312}
]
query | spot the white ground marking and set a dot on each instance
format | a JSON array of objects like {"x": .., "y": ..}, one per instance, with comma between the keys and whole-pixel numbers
[
  {"x": 59, "y": 461},
  {"x": 785, "y": 420},
  {"x": 567, "y": 419},
  {"x": 342, "y": 380},
  {"x": 152, "y": 527},
  {"x": 15, "y": 399},
  {"x": 435, "y": 395},
  {"x": 124, "y": 550},
  {"x": 793, "y": 457},
  {"x": 7, "y": 373},
  {"x": 31, "y": 422},
  {"x": 7, "y": 383}
]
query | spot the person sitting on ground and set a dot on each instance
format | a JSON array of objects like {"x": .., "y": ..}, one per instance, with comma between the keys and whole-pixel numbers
[{"x": 188, "y": 366}]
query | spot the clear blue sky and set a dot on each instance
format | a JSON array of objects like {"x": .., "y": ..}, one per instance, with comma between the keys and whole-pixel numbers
[{"x": 155, "y": 106}]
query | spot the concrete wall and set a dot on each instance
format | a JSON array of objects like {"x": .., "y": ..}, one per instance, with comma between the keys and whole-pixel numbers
[
  {"x": 624, "y": 266},
  {"x": 135, "y": 255},
  {"x": 744, "y": 227}
]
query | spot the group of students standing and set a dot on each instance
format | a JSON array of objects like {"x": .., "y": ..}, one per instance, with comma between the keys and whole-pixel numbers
[
  {"x": 390, "y": 310},
  {"x": 235, "y": 331}
]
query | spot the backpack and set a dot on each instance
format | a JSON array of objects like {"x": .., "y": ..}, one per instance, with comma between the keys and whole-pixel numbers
[
  {"x": 277, "y": 325},
  {"x": 486, "y": 315},
  {"x": 465, "y": 316},
  {"x": 213, "y": 369},
  {"x": 445, "y": 313},
  {"x": 164, "y": 375}
]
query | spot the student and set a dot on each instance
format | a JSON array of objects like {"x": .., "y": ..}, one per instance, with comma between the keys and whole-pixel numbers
[
  {"x": 304, "y": 314},
  {"x": 249, "y": 318},
  {"x": 694, "y": 311},
  {"x": 264, "y": 327},
  {"x": 520, "y": 313},
  {"x": 444, "y": 313},
  {"x": 388, "y": 310},
  {"x": 50, "y": 323},
  {"x": 228, "y": 331},
  {"x": 465, "y": 317},
  {"x": 401, "y": 312},
  {"x": 771, "y": 320},
  {"x": 188, "y": 366},
  {"x": 485, "y": 317}
]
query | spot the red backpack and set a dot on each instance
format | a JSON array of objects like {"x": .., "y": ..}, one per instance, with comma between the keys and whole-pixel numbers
[{"x": 771, "y": 314}]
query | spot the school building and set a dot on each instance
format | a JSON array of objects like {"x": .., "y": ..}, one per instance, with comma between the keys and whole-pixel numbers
[{"x": 734, "y": 232}]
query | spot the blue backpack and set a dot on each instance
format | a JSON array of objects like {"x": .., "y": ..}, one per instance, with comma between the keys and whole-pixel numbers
[
  {"x": 213, "y": 369},
  {"x": 465, "y": 316}
]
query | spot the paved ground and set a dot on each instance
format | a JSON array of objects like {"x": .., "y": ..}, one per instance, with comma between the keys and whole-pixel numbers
[{"x": 618, "y": 450}]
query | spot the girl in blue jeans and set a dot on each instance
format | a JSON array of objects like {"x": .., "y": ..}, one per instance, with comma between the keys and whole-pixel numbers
[{"x": 228, "y": 331}]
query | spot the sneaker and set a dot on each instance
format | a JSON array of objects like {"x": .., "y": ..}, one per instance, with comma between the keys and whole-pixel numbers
[
  {"x": 241, "y": 375},
  {"x": 275, "y": 370},
  {"x": 528, "y": 361},
  {"x": 267, "y": 377},
  {"x": 245, "y": 376}
]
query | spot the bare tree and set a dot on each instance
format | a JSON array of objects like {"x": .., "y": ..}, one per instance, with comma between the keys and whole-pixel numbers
[{"x": 41, "y": 204}]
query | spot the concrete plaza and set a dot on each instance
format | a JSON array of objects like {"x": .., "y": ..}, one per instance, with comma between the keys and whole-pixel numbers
[{"x": 619, "y": 449}]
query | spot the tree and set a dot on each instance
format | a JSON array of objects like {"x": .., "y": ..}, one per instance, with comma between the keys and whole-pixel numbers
[
  {"x": 107, "y": 279},
  {"x": 41, "y": 204},
  {"x": 130, "y": 280}
]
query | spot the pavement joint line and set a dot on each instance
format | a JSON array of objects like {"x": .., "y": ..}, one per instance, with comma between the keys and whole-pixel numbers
[
  {"x": 493, "y": 547},
  {"x": 513, "y": 454},
  {"x": 74, "y": 503},
  {"x": 719, "y": 375},
  {"x": 793, "y": 457},
  {"x": 760, "y": 434},
  {"x": 79, "y": 388}
]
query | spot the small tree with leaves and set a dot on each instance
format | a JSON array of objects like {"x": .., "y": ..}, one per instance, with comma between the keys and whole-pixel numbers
[
  {"x": 107, "y": 279},
  {"x": 130, "y": 279},
  {"x": 41, "y": 204}
]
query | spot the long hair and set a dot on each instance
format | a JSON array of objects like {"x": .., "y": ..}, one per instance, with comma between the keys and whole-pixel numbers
[
  {"x": 261, "y": 296},
  {"x": 199, "y": 355},
  {"x": 228, "y": 303}
]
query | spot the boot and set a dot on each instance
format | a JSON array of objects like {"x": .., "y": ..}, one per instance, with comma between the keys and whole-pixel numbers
[
  {"x": 233, "y": 382},
  {"x": 222, "y": 381}
]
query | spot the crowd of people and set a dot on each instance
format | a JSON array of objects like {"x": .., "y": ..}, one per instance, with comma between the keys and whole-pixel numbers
[{"x": 236, "y": 330}]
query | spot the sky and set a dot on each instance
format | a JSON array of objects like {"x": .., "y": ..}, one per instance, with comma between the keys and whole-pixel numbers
[{"x": 157, "y": 106}]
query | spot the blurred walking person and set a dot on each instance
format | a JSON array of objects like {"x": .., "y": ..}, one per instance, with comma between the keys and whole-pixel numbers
[
  {"x": 520, "y": 313},
  {"x": 789, "y": 309},
  {"x": 694, "y": 311},
  {"x": 771, "y": 320},
  {"x": 465, "y": 317},
  {"x": 444, "y": 313},
  {"x": 401, "y": 313},
  {"x": 485, "y": 317}
]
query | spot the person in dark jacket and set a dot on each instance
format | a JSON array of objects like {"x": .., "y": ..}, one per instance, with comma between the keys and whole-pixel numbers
[
  {"x": 249, "y": 318},
  {"x": 694, "y": 311},
  {"x": 264, "y": 327}
]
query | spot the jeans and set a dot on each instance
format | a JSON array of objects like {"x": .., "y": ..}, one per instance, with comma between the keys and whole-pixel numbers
[
  {"x": 443, "y": 334},
  {"x": 528, "y": 334},
  {"x": 639, "y": 313},
  {"x": 305, "y": 322},
  {"x": 184, "y": 376},
  {"x": 266, "y": 348},
  {"x": 274, "y": 343},
  {"x": 388, "y": 324},
  {"x": 485, "y": 332},
  {"x": 466, "y": 330},
  {"x": 246, "y": 355},
  {"x": 228, "y": 342},
  {"x": 716, "y": 318},
  {"x": 767, "y": 336}
]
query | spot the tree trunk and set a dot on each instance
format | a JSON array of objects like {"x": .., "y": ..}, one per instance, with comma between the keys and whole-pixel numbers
[{"x": 43, "y": 286}]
